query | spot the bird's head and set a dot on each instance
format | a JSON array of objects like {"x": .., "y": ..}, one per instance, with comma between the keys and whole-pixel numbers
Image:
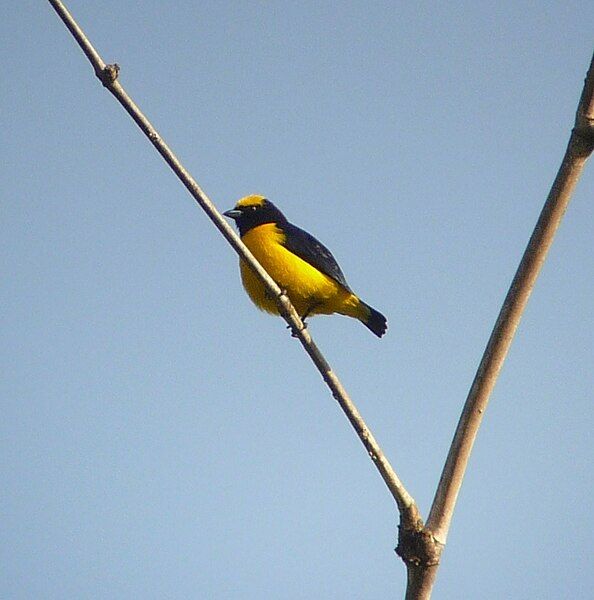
[{"x": 251, "y": 211}]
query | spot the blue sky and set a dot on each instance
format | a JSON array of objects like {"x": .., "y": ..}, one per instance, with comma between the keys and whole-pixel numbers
[{"x": 161, "y": 438}]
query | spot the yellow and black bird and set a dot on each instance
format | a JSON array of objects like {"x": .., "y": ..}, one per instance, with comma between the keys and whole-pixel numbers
[{"x": 299, "y": 264}]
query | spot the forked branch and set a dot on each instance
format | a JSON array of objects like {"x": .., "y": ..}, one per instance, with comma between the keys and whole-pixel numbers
[{"x": 420, "y": 546}]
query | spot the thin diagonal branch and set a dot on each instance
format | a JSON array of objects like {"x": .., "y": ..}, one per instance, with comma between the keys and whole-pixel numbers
[
  {"x": 578, "y": 149},
  {"x": 432, "y": 538},
  {"x": 108, "y": 75}
]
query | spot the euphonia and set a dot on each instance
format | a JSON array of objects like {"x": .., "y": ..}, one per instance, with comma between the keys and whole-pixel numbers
[{"x": 301, "y": 266}]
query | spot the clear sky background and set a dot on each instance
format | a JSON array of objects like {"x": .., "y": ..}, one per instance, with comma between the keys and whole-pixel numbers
[{"x": 160, "y": 437}]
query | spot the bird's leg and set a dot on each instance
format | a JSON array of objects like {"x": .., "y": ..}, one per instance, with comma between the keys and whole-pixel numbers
[
  {"x": 285, "y": 293},
  {"x": 308, "y": 312}
]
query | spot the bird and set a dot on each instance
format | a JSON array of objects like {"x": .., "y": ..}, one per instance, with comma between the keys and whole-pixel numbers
[{"x": 300, "y": 265}]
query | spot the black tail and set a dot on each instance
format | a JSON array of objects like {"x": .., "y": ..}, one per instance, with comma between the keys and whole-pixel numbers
[{"x": 375, "y": 321}]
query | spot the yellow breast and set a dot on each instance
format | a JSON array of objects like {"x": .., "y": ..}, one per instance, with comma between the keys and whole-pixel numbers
[{"x": 307, "y": 288}]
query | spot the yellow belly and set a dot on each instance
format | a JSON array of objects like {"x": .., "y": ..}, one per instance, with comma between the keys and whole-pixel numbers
[{"x": 309, "y": 290}]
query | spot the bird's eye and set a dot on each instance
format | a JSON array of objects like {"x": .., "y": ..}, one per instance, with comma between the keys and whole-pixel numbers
[{"x": 253, "y": 207}]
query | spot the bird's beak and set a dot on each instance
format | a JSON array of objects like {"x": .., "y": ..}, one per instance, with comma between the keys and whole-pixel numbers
[{"x": 233, "y": 214}]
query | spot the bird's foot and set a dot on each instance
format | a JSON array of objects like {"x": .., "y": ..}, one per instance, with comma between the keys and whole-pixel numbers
[{"x": 295, "y": 333}]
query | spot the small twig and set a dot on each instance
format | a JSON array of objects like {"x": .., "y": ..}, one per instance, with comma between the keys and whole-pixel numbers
[
  {"x": 108, "y": 74},
  {"x": 584, "y": 118}
]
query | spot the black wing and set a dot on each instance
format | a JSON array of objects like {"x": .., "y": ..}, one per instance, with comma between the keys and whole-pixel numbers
[{"x": 305, "y": 246}]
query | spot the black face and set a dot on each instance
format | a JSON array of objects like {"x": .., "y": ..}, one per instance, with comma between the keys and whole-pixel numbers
[{"x": 252, "y": 215}]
